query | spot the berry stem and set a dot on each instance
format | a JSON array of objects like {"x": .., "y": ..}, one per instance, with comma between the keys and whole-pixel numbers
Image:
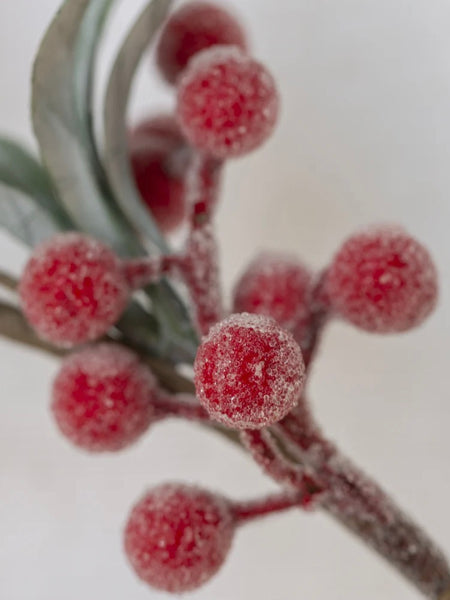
[
  {"x": 200, "y": 264},
  {"x": 141, "y": 272},
  {"x": 262, "y": 446},
  {"x": 182, "y": 406},
  {"x": 275, "y": 503},
  {"x": 319, "y": 313},
  {"x": 364, "y": 508},
  {"x": 203, "y": 188}
]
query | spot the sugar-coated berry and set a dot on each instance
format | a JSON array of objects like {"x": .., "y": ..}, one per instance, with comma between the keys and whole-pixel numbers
[
  {"x": 249, "y": 372},
  {"x": 383, "y": 280},
  {"x": 159, "y": 158},
  {"x": 192, "y": 28},
  {"x": 227, "y": 102},
  {"x": 102, "y": 398},
  {"x": 177, "y": 537},
  {"x": 73, "y": 289},
  {"x": 277, "y": 285}
]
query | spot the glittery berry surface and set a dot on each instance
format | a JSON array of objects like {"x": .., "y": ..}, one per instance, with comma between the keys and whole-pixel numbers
[
  {"x": 227, "y": 102},
  {"x": 195, "y": 27},
  {"x": 276, "y": 285},
  {"x": 178, "y": 536},
  {"x": 102, "y": 398},
  {"x": 73, "y": 289},
  {"x": 383, "y": 280},
  {"x": 249, "y": 372}
]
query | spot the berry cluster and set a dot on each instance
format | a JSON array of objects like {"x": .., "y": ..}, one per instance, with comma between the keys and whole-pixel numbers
[{"x": 252, "y": 364}]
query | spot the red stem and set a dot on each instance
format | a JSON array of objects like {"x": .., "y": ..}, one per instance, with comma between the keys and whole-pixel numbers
[
  {"x": 199, "y": 267},
  {"x": 263, "y": 448},
  {"x": 182, "y": 406},
  {"x": 140, "y": 272},
  {"x": 255, "y": 509}
]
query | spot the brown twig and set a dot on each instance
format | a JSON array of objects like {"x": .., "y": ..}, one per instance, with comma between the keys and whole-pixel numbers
[
  {"x": 8, "y": 281},
  {"x": 14, "y": 327}
]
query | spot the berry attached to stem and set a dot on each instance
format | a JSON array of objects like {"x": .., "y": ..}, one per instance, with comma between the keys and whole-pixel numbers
[
  {"x": 177, "y": 537},
  {"x": 249, "y": 372},
  {"x": 102, "y": 398},
  {"x": 195, "y": 27},
  {"x": 227, "y": 102}
]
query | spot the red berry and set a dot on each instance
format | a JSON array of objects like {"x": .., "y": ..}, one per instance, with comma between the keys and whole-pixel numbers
[
  {"x": 159, "y": 159},
  {"x": 177, "y": 537},
  {"x": 276, "y": 285},
  {"x": 102, "y": 398},
  {"x": 73, "y": 289},
  {"x": 383, "y": 280},
  {"x": 195, "y": 27},
  {"x": 227, "y": 102},
  {"x": 249, "y": 372}
]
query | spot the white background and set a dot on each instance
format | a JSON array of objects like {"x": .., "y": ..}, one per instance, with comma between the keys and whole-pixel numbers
[{"x": 364, "y": 137}]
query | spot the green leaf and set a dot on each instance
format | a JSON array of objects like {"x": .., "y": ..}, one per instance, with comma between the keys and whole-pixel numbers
[
  {"x": 20, "y": 171},
  {"x": 117, "y": 162},
  {"x": 170, "y": 312},
  {"x": 62, "y": 120},
  {"x": 23, "y": 218}
]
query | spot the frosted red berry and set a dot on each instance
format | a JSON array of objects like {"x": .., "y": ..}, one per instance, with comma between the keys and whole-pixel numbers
[
  {"x": 277, "y": 285},
  {"x": 192, "y": 28},
  {"x": 249, "y": 372},
  {"x": 159, "y": 158},
  {"x": 227, "y": 102},
  {"x": 177, "y": 537},
  {"x": 72, "y": 289},
  {"x": 383, "y": 280},
  {"x": 102, "y": 398}
]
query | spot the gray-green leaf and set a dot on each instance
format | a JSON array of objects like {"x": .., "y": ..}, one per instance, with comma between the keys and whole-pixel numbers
[
  {"x": 20, "y": 171},
  {"x": 116, "y": 152},
  {"x": 23, "y": 218},
  {"x": 61, "y": 113}
]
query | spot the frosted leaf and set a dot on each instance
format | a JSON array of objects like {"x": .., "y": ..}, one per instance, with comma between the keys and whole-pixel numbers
[
  {"x": 177, "y": 536},
  {"x": 102, "y": 398},
  {"x": 249, "y": 372}
]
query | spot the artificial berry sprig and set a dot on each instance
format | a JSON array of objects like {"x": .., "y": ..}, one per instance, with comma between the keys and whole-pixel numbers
[
  {"x": 177, "y": 537},
  {"x": 252, "y": 366}
]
